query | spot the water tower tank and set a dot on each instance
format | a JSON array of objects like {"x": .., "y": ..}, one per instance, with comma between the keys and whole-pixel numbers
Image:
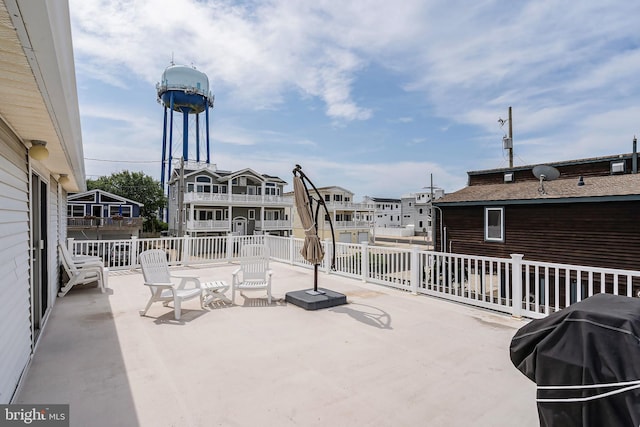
[{"x": 188, "y": 87}]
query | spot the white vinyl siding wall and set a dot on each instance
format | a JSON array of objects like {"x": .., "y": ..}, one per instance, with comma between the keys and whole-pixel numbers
[{"x": 15, "y": 311}]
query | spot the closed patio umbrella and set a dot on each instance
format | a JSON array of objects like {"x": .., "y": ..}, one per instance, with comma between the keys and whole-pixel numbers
[{"x": 312, "y": 250}]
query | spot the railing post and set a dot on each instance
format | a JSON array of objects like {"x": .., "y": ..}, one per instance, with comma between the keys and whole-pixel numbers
[
  {"x": 229, "y": 247},
  {"x": 186, "y": 249},
  {"x": 133, "y": 253},
  {"x": 327, "y": 255},
  {"x": 70, "y": 244},
  {"x": 291, "y": 247},
  {"x": 365, "y": 261},
  {"x": 516, "y": 285},
  {"x": 414, "y": 265}
]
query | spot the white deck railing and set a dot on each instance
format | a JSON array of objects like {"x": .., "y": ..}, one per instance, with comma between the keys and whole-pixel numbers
[
  {"x": 511, "y": 285},
  {"x": 251, "y": 199}
]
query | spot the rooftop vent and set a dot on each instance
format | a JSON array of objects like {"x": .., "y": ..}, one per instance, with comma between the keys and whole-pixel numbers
[
  {"x": 617, "y": 167},
  {"x": 508, "y": 177}
]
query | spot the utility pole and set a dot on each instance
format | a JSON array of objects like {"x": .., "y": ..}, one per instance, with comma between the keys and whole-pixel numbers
[
  {"x": 510, "y": 140},
  {"x": 431, "y": 218},
  {"x": 181, "y": 198}
]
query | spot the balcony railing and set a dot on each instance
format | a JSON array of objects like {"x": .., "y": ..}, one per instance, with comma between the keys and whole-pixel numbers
[
  {"x": 104, "y": 223},
  {"x": 273, "y": 225},
  {"x": 341, "y": 225},
  {"x": 242, "y": 199},
  {"x": 209, "y": 225},
  {"x": 350, "y": 206},
  {"x": 509, "y": 285}
]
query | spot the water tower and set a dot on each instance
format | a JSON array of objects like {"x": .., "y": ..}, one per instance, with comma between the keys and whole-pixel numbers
[{"x": 184, "y": 90}]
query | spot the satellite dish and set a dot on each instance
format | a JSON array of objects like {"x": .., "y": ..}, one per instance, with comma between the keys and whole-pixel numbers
[{"x": 545, "y": 173}]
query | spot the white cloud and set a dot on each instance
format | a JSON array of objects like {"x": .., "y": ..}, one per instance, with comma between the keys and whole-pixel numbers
[{"x": 567, "y": 71}]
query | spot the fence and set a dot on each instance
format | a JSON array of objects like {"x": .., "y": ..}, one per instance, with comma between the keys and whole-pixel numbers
[{"x": 510, "y": 285}]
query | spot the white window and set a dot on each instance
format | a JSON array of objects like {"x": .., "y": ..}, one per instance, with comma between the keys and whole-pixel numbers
[
  {"x": 120, "y": 210},
  {"x": 252, "y": 214},
  {"x": 75, "y": 210},
  {"x": 494, "y": 224},
  {"x": 203, "y": 184}
]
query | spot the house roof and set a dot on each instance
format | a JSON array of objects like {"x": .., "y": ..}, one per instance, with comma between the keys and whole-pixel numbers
[
  {"x": 224, "y": 175},
  {"x": 334, "y": 188},
  {"x": 39, "y": 84},
  {"x": 384, "y": 200},
  {"x": 595, "y": 188},
  {"x": 73, "y": 197},
  {"x": 555, "y": 164}
]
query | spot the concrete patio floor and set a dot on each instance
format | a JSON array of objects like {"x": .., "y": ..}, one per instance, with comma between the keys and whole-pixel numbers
[{"x": 388, "y": 358}]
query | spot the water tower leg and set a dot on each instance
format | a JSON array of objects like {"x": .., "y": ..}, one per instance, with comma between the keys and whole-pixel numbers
[
  {"x": 197, "y": 137},
  {"x": 206, "y": 116},
  {"x": 185, "y": 133}
]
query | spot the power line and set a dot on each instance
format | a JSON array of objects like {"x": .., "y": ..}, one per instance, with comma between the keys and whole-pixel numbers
[{"x": 124, "y": 161}]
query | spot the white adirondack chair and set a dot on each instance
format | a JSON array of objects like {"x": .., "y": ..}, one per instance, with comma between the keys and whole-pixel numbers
[
  {"x": 254, "y": 272},
  {"x": 164, "y": 286},
  {"x": 82, "y": 270}
]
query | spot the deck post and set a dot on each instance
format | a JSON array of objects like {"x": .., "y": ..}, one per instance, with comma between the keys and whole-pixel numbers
[
  {"x": 364, "y": 264},
  {"x": 133, "y": 253},
  {"x": 414, "y": 265},
  {"x": 229, "y": 247},
  {"x": 516, "y": 283},
  {"x": 186, "y": 244},
  {"x": 327, "y": 255},
  {"x": 70, "y": 244},
  {"x": 291, "y": 249}
]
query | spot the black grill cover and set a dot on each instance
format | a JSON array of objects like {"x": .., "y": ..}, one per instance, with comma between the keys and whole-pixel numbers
[{"x": 594, "y": 341}]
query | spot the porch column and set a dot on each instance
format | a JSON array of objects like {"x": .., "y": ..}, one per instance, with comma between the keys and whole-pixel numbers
[{"x": 262, "y": 216}]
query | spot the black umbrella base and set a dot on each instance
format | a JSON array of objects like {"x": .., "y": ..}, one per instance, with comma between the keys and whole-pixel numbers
[{"x": 309, "y": 300}]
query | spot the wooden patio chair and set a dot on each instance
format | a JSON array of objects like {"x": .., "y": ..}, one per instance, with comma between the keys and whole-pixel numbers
[
  {"x": 254, "y": 272},
  {"x": 164, "y": 286},
  {"x": 82, "y": 270}
]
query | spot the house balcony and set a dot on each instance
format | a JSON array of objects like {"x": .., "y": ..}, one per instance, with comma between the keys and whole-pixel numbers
[
  {"x": 387, "y": 358},
  {"x": 238, "y": 199},
  {"x": 74, "y": 223},
  {"x": 209, "y": 225},
  {"x": 274, "y": 225},
  {"x": 348, "y": 225},
  {"x": 349, "y": 206}
]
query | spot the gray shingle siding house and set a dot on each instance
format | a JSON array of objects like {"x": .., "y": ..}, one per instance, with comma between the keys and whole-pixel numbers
[{"x": 219, "y": 202}]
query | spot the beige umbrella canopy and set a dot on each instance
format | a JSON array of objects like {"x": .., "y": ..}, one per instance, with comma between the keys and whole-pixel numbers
[{"x": 312, "y": 249}]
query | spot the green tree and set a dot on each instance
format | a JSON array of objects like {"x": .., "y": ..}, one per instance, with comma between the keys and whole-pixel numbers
[{"x": 138, "y": 187}]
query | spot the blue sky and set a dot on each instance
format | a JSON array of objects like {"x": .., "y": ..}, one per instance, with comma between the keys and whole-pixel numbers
[{"x": 373, "y": 96}]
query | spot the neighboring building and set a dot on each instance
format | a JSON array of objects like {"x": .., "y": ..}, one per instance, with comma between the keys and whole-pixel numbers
[
  {"x": 587, "y": 216},
  {"x": 416, "y": 210},
  {"x": 41, "y": 159},
  {"x": 352, "y": 222},
  {"x": 218, "y": 202},
  {"x": 387, "y": 212},
  {"x": 98, "y": 214}
]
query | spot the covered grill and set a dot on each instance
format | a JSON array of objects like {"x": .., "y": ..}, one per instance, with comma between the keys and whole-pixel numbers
[{"x": 585, "y": 360}]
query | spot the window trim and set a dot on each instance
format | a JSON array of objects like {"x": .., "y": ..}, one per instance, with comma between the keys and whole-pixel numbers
[{"x": 487, "y": 238}]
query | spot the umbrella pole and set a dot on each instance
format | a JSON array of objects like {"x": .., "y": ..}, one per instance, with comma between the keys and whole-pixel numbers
[{"x": 315, "y": 277}]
